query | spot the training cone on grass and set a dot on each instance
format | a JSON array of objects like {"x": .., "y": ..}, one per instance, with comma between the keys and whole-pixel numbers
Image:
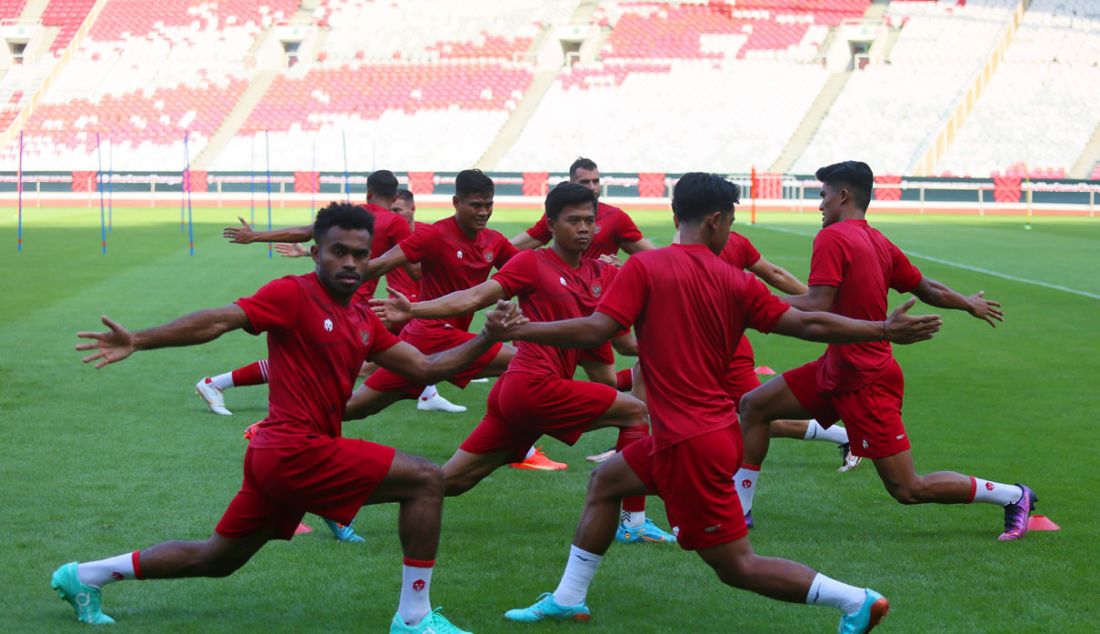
[
  {"x": 1041, "y": 523},
  {"x": 765, "y": 370},
  {"x": 303, "y": 529}
]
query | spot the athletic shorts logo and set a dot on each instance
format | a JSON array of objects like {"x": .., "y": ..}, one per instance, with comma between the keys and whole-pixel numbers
[
  {"x": 328, "y": 325},
  {"x": 488, "y": 256},
  {"x": 712, "y": 529},
  {"x": 899, "y": 436},
  {"x": 596, "y": 290},
  {"x": 989, "y": 486},
  {"x": 562, "y": 280},
  {"x": 459, "y": 255},
  {"x": 746, "y": 484},
  {"x": 418, "y": 585}
]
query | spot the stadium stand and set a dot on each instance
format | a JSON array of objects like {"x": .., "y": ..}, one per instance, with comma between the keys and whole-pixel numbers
[
  {"x": 888, "y": 113},
  {"x": 1040, "y": 109}
]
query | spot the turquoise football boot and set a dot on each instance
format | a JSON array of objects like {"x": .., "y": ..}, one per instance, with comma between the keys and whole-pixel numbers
[
  {"x": 547, "y": 608},
  {"x": 84, "y": 599},
  {"x": 870, "y": 614}
]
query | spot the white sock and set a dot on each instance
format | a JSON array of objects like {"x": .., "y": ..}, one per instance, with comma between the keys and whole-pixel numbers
[
  {"x": 99, "y": 573},
  {"x": 222, "y": 381},
  {"x": 428, "y": 393},
  {"x": 416, "y": 582},
  {"x": 530, "y": 452},
  {"x": 745, "y": 480},
  {"x": 578, "y": 574},
  {"x": 995, "y": 492},
  {"x": 632, "y": 519},
  {"x": 830, "y": 592},
  {"x": 834, "y": 433}
]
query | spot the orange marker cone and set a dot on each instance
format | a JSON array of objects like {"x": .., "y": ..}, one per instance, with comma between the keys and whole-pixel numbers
[
  {"x": 303, "y": 529},
  {"x": 765, "y": 370},
  {"x": 1041, "y": 523}
]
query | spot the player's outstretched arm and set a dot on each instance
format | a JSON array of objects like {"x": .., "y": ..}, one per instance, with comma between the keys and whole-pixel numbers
[
  {"x": 523, "y": 241},
  {"x": 389, "y": 261},
  {"x": 397, "y": 309},
  {"x": 900, "y": 327},
  {"x": 244, "y": 234},
  {"x": 199, "y": 327},
  {"x": 409, "y": 362},
  {"x": 941, "y": 295},
  {"x": 778, "y": 278},
  {"x": 817, "y": 298},
  {"x": 582, "y": 332},
  {"x": 637, "y": 246},
  {"x": 291, "y": 250}
]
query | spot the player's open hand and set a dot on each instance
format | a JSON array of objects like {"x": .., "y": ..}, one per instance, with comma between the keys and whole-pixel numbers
[
  {"x": 613, "y": 260},
  {"x": 987, "y": 310},
  {"x": 291, "y": 250},
  {"x": 501, "y": 322},
  {"x": 240, "y": 235},
  {"x": 904, "y": 328},
  {"x": 111, "y": 347},
  {"x": 394, "y": 310}
]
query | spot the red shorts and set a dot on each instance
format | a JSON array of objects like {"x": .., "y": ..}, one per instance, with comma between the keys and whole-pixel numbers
[
  {"x": 331, "y": 477},
  {"x": 695, "y": 480},
  {"x": 871, "y": 413},
  {"x": 437, "y": 340},
  {"x": 741, "y": 380},
  {"x": 524, "y": 406}
]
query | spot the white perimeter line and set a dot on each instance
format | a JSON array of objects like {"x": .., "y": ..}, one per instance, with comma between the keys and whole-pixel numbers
[{"x": 967, "y": 267}]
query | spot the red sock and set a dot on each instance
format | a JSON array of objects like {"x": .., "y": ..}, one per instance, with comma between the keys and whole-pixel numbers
[
  {"x": 624, "y": 380},
  {"x": 252, "y": 374},
  {"x": 628, "y": 435}
]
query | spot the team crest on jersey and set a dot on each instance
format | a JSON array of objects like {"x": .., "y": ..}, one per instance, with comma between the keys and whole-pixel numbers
[
  {"x": 459, "y": 254},
  {"x": 328, "y": 325},
  {"x": 364, "y": 336},
  {"x": 488, "y": 256},
  {"x": 596, "y": 290}
]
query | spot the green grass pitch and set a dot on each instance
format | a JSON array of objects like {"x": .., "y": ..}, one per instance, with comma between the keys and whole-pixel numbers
[{"x": 96, "y": 463}]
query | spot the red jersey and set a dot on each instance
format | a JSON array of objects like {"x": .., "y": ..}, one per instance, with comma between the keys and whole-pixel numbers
[
  {"x": 400, "y": 280},
  {"x": 863, "y": 265},
  {"x": 701, "y": 310},
  {"x": 613, "y": 228},
  {"x": 742, "y": 254},
  {"x": 451, "y": 262},
  {"x": 315, "y": 349},
  {"x": 389, "y": 230},
  {"x": 551, "y": 290}
]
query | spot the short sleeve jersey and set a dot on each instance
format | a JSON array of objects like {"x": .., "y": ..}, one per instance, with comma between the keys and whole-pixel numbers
[
  {"x": 613, "y": 229},
  {"x": 550, "y": 290},
  {"x": 389, "y": 230},
  {"x": 450, "y": 261},
  {"x": 315, "y": 349},
  {"x": 399, "y": 279},
  {"x": 741, "y": 253},
  {"x": 862, "y": 264},
  {"x": 701, "y": 308}
]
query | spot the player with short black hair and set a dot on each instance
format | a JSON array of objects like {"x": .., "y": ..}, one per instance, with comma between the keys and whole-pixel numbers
[
  {"x": 690, "y": 310},
  {"x": 852, "y": 269},
  {"x": 298, "y": 461}
]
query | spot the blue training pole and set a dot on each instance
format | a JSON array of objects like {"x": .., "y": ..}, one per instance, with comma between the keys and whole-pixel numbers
[
  {"x": 347, "y": 186},
  {"x": 267, "y": 164},
  {"x": 187, "y": 193},
  {"x": 99, "y": 183},
  {"x": 252, "y": 181},
  {"x": 110, "y": 185},
  {"x": 19, "y": 187}
]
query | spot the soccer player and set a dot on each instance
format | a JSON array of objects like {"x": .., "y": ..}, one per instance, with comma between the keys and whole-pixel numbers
[
  {"x": 690, "y": 310},
  {"x": 537, "y": 394},
  {"x": 851, "y": 271},
  {"x": 454, "y": 254},
  {"x": 389, "y": 229},
  {"x": 298, "y": 461},
  {"x": 740, "y": 252}
]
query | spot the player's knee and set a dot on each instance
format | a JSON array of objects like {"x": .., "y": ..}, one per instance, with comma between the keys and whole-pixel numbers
[
  {"x": 428, "y": 476},
  {"x": 904, "y": 493},
  {"x": 734, "y": 573},
  {"x": 750, "y": 408},
  {"x": 601, "y": 485}
]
